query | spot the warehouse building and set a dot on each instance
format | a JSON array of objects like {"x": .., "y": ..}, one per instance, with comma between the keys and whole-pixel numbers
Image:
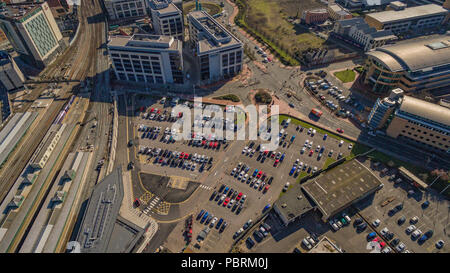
[
  {"x": 218, "y": 52},
  {"x": 32, "y": 31},
  {"x": 47, "y": 146},
  {"x": 167, "y": 18},
  {"x": 341, "y": 187},
  {"x": 398, "y": 66},
  {"x": 413, "y": 19},
  {"x": 10, "y": 75},
  {"x": 145, "y": 58}
]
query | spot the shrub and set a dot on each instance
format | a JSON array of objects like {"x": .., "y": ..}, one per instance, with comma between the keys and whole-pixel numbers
[{"x": 263, "y": 97}]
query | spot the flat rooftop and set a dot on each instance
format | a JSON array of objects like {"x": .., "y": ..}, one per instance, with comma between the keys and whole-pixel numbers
[
  {"x": 340, "y": 187},
  {"x": 407, "y": 13},
  {"x": 215, "y": 36},
  {"x": 325, "y": 245},
  {"x": 293, "y": 203},
  {"x": 18, "y": 11},
  {"x": 145, "y": 41}
]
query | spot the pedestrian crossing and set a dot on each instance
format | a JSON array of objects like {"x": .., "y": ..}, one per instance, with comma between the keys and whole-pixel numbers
[
  {"x": 208, "y": 188},
  {"x": 152, "y": 204}
]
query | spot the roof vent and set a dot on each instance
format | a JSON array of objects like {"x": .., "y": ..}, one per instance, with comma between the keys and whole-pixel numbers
[
  {"x": 283, "y": 205},
  {"x": 299, "y": 197}
]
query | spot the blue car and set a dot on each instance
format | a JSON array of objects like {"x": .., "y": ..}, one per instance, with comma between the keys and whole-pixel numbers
[
  {"x": 371, "y": 235},
  {"x": 255, "y": 172},
  {"x": 200, "y": 214},
  {"x": 425, "y": 204},
  {"x": 282, "y": 157},
  {"x": 219, "y": 223},
  {"x": 226, "y": 190},
  {"x": 292, "y": 170},
  {"x": 266, "y": 207},
  {"x": 143, "y": 135},
  {"x": 204, "y": 217}
]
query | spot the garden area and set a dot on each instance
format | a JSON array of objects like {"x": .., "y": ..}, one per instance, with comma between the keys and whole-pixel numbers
[
  {"x": 209, "y": 7},
  {"x": 345, "y": 75},
  {"x": 269, "y": 22},
  {"x": 231, "y": 97},
  {"x": 263, "y": 97}
]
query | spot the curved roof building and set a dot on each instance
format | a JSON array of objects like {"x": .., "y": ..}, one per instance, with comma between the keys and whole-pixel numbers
[{"x": 419, "y": 65}]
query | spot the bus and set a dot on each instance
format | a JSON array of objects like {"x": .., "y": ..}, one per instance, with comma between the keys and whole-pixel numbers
[{"x": 316, "y": 112}]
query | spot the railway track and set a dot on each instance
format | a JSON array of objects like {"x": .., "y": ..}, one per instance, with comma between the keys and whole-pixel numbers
[{"x": 81, "y": 57}]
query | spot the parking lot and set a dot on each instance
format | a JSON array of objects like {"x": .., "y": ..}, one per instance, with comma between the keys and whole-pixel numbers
[
  {"x": 434, "y": 217},
  {"x": 338, "y": 100}
]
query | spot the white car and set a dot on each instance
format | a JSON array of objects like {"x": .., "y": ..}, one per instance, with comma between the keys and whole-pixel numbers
[
  {"x": 302, "y": 151},
  {"x": 384, "y": 231},
  {"x": 313, "y": 132},
  {"x": 416, "y": 233},
  {"x": 401, "y": 247},
  {"x": 376, "y": 223},
  {"x": 340, "y": 143},
  {"x": 410, "y": 229},
  {"x": 386, "y": 250},
  {"x": 318, "y": 148},
  {"x": 233, "y": 172},
  {"x": 350, "y": 146},
  {"x": 306, "y": 243}
]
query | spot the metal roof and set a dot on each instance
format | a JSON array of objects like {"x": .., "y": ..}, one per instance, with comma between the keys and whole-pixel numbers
[
  {"x": 389, "y": 16},
  {"x": 426, "y": 110},
  {"x": 404, "y": 56}
]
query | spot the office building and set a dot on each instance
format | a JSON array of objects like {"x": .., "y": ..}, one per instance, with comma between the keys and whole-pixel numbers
[
  {"x": 315, "y": 16},
  {"x": 422, "y": 124},
  {"x": 125, "y": 9},
  {"x": 32, "y": 31},
  {"x": 10, "y": 75},
  {"x": 359, "y": 32},
  {"x": 413, "y": 19},
  {"x": 147, "y": 58},
  {"x": 218, "y": 52},
  {"x": 383, "y": 109},
  {"x": 337, "y": 12},
  {"x": 418, "y": 65},
  {"x": 167, "y": 18}
]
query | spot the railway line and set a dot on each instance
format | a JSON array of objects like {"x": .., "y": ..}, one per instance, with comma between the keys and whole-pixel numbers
[{"x": 81, "y": 60}]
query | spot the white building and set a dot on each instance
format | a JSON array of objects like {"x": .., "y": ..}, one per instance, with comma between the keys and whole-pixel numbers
[
  {"x": 32, "y": 31},
  {"x": 167, "y": 18},
  {"x": 219, "y": 53},
  {"x": 124, "y": 9},
  {"x": 10, "y": 75},
  {"x": 147, "y": 58},
  {"x": 358, "y": 31}
]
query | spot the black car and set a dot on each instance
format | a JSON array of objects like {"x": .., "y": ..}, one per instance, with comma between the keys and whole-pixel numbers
[
  {"x": 395, "y": 242},
  {"x": 221, "y": 188},
  {"x": 222, "y": 228},
  {"x": 429, "y": 233},
  {"x": 210, "y": 160},
  {"x": 250, "y": 242},
  {"x": 213, "y": 195},
  {"x": 230, "y": 193},
  {"x": 401, "y": 220},
  {"x": 239, "y": 209},
  {"x": 235, "y": 207},
  {"x": 130, "y": 166},
  {"x": 258, "y": 235},
  {"x": 270, "y": 180},
  {"x": 258, "y": 147},
  {"x": 357, "y": 221},
  {"x": 217, "y": 197},
  {"x": 234, "y": 195},
  {"x": 362, "y": 226},
  {"x": 389, "y": 236}
]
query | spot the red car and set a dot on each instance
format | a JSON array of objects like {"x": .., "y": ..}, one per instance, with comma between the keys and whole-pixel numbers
[
  {"x": 239, "y": 196},
  {"x": 211, "y": 145},
  {"x": 266, "y": 188},
  {"x": 215, "y": 144},
  {"x": 152, "y": 110},
  {"x": 181, "y": 155},
  {"x": 186, "y": 155},
  {"x": 136, "y": 202},
  {"x": 276, "y": 163},
  {"x": 259, "y": 174},
  {"x": 311, "y": 152},
  {"x": 225, "y": 203},
  {"x": 158, "y": 112},
  {"x": 203, "y": 142},
  {"x": 180, "y": 114},
  {"x": 266, "y": 152},
  {"x": 273, "y": 155},
  {"x": 340, "y": 130}
]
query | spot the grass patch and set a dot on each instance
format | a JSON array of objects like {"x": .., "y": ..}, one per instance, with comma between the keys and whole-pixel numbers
[
  {"x": 231, "y": 97},
  {"x": 263, "y": 97},
  {"x": 328, "y": 162},
  {"x": 211, "y": 8},
  {"x": 345, "y": 75},
  {"x": 309, "y": 125}
]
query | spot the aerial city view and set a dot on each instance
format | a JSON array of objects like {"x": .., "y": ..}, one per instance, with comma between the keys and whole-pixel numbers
[{"x": 225, "y": 126}]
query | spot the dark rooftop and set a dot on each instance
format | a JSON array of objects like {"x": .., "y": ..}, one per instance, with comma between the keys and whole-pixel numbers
[{"x": 342, "y": 186}]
